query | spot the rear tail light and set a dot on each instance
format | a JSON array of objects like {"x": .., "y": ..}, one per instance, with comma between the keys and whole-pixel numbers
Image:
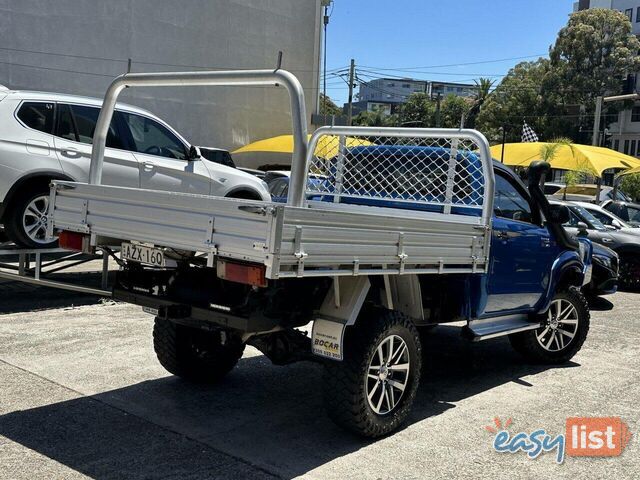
[
  {"x": 74, "y": 241},
  {"x": 247, "y": 273}
]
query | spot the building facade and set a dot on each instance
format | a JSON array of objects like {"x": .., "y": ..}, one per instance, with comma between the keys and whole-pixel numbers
[
  {"x": 386, "y": 94},
  {"x": 624, "y": 134},
  {"x": 79, "y": 46}
]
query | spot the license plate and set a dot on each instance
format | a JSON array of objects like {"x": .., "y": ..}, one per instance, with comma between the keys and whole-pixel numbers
[
  {"x": 142, "y": 254},
  {"x": 150, "y": 311}
]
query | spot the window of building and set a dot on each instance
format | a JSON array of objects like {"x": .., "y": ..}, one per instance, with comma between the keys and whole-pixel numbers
[
  {"x": 626, "y": 147},
  {"x": 616, "y": 145},
  {"x": 633, "y": 148},
  {"x": 406, "y": 85},
  {"x": 391, "y": 84},
  {"x": 37, "y": 115},
  {"x": 635, "y": 114},
  {"x": 629, "y": 13},
  {"x": 638, "y": 15}
]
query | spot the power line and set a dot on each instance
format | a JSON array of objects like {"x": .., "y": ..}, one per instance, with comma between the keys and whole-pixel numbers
[
  {"x": 78, "y": 72},
  {"x": 408, "y": 69},
  {"x": 139, "y": 62}
]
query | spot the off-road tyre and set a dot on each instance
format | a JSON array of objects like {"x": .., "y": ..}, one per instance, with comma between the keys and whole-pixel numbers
[
  {"x": 194, "y": 354},
  {"x": 13, "y": 218},
  {"x": 345, "y": 383},
  {"x": 531, "y": 348}
]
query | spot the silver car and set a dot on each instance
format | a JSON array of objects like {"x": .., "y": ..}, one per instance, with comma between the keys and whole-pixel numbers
[{"x": 45, "y": 136}]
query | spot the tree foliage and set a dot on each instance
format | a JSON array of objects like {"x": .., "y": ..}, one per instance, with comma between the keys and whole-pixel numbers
[
  {"x": 592, "y": 55},
  {"x": 630, "y": 185},
  {"x": 328, "y": 107},
  {"x": 418, "y": 110}
]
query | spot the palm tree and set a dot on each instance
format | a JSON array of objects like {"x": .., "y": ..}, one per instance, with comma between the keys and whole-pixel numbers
[{"x": 483, "y": 90}]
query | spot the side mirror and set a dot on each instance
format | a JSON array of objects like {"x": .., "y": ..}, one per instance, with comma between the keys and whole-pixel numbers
[
  {"x": 194, "y": 153},
  {"x": 582, "y": 228},
  {"x": 559, "y": 214},
  {"x": 616, "y": 224}
]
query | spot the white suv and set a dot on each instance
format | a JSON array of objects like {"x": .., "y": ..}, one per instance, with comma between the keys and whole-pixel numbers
[{"x": 45, "y": 136}]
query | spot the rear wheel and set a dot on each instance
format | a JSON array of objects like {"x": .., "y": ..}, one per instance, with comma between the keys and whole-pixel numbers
[
  {"x": 372, "y": 391},
  {"x": 563, "y": 331},
  {"x": 26, "y": 218},
  {"x": 194, "y": 354}
]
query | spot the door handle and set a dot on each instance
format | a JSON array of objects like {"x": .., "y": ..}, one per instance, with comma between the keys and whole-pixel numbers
[
  {"x": 70, "y": 153},
  {"x": 148, "y": 165},
  {"x": 502, "y": 235}
]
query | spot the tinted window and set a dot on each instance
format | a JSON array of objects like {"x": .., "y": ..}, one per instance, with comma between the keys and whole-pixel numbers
[
  {"x": 65, "y": 128},
  {"x": 509, "y": 203},
  {"x": 605, "y": 219},
  {"x": 152, "y": 138},
  {"x": 634, "y": 214},
  {"x": 586, "y": 217},
  {"x": 37, "y": 115},
  {"x": 85, "y": 119}
]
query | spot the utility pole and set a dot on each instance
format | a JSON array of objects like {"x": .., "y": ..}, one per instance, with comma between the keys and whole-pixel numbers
[
  {"x": 438, "y": 99},
  {"x": 595, "y": 140},
  {"x": 352, "y": 73},
  {"x": 325, "y": 22}
]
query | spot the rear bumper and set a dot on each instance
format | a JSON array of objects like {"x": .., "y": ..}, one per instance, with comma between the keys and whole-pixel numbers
[{"x": 191, "y": 314}]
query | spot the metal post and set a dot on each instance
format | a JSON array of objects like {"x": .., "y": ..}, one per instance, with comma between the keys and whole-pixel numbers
[
  {"x": 504, "y": 140},
  {"x": 105, "y": 270},
  {"x": 595, "y": 140},
  {"x": 352, "y": 72},
  {"x": 224, "y": 78}
]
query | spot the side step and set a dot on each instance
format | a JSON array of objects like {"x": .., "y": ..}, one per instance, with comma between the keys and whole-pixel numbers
[{"x": 477, "y": 330}]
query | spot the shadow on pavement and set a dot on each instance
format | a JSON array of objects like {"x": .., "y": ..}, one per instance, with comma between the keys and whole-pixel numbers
[
  {"x": 18, "y": 297},
  {"x": 600, "y": 304},
  {"x": 271, "y": 417}
]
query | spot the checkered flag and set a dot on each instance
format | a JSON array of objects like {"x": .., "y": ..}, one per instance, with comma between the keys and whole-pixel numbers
[{"x": 528, "y": 135}]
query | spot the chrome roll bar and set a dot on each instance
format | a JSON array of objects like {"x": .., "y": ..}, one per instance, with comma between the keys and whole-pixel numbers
[{"x": 205, "y": 78}]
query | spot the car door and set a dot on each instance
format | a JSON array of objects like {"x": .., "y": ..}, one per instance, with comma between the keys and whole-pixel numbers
[
  {"x": 73, "y": 143},
  {"x": 163, "y": 157},
  {"x": 521, "y": 252}
]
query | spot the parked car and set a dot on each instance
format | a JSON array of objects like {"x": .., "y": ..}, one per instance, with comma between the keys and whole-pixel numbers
[
  {"x": 45, "y": 136},
  {"x": 604, "y": 278},
  {"x": 627, "y": 245},
  {"x": 587, "y": 193},
  {"x": 223, "y": 157},
  {"x": 550, "y": 188},
  {"x": 609, "y": 219},
  {"x": 278, "y": 182},
  {"x": 626, "y": 210}
]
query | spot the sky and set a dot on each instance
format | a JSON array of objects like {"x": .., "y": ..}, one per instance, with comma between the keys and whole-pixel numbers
[{"x": 405, "y": 34}]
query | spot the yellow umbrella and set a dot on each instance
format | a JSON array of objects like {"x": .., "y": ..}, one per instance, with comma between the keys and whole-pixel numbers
[
  {"x": 568, "y": 157},
  {"x": 631, "y": 171},
  {"x": 327, "y": 146}
]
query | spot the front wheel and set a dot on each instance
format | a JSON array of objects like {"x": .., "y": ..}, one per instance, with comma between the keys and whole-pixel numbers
[
  {"x": 372, "y": 391},
  {"x": 629, "y": 277},
  {"x": 563, "y": 331}
]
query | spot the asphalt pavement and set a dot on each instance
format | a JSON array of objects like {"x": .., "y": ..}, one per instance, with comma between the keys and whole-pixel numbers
[{"x": 82, "y": 396}]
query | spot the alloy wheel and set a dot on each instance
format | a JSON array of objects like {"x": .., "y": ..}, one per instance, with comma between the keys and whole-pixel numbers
[
  {"x": 387, "y": 375},
  {"x": 34, "y": 220},
  {"x": 560, "y": 326}
]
